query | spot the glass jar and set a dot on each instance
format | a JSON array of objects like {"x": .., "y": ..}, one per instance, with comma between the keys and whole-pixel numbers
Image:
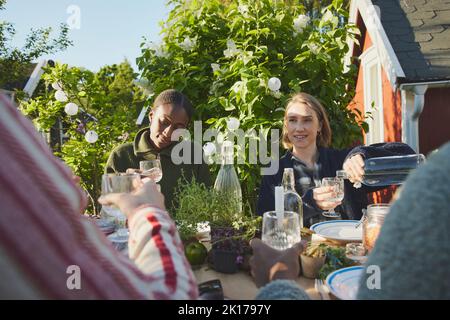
[{"x": 372, "y": 224}]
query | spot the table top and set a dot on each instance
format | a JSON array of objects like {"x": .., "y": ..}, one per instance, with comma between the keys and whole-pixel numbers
[{"x": 240, "y": 285}]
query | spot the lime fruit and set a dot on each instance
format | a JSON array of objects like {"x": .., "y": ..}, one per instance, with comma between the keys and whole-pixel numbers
[{"x": 195, "y": 253}]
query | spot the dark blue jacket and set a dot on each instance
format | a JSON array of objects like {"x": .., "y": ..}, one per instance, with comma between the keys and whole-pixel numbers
[{"x": 330, "y": 160}]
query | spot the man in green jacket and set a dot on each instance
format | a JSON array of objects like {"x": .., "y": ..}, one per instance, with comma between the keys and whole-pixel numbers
[{"x": 171, "y": 111}]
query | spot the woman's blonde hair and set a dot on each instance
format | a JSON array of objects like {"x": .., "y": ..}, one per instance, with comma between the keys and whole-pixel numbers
[{"x": 324, "y": 135}]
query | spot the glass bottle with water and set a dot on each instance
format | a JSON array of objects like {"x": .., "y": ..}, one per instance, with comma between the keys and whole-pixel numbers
[
  {"x": 292, "y": 200},
  {"x": 227, "y": 180},
  {"x": 386, "y": 171}
]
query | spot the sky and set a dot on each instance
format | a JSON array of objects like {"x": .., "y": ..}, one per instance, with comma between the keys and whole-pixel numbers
[{"x": 109, "y": 30}]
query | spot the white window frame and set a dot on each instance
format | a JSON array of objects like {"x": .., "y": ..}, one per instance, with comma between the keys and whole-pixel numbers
[{"x": 369, "y": 58}]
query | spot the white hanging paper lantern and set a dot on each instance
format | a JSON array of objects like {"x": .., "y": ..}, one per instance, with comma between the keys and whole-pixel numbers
[
  {"x": 61, "y": 96},
  {"x": 56, "y": 86},
  {"x": 91, "y": 136},
  {"x": 233, "y": 123},
  {"x": 71, "y": 109},
  {"x": 209, "y": 149},
  {"x": 274, "y": 84}
]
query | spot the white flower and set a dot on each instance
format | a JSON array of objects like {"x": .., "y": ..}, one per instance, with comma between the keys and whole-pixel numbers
[
  {"x": 159, "y": 49},
  {"x": 215, "y": 67},
  {"x": 233, "y": 124},
  {"x": 327, "y": 17},
  {"x": 60, "y": 96},
  {"x": 274, "y": 84},
  {"x": 262, "y": 83},
  {"x": 209, "y": 149},
  {"x": 237, "y": 86},
  {"x": 91, "y": 136},
  {"x": 71, "y": 109},
  {"x": 243, "y": 9},
  {"x": 231, "y": 49},
  {"x": 301, "y": 22},
  {"x": 314, "y": 48},
  {"x": 56, "y": 86},
  {"x": 276, "y": 94},
  {"x": 145, "y": 85},
  {"x": 231, "y": 45},
  {"x": 188, "y": 44},
  {"x": 247, "y": 56},
  {"x": 227, "y": 53}
]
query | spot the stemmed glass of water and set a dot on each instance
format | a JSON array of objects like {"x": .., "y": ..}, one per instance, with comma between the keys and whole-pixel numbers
[
  {"x": 118, "y": 183},
  {"x": 338, "y": 189},
  {"x": 151, "y": 169}
]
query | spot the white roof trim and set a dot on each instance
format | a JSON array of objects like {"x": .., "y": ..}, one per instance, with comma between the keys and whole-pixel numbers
[
  {"x": 386, "y": 53},
  {"x": 35, "y": 77}
]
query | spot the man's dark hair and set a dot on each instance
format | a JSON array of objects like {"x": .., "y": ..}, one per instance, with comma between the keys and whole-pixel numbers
[{"x": 175, "y": 98}]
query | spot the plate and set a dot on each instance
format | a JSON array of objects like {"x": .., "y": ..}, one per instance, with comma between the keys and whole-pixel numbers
[
  {"x": 339, "y": 230},
  {"x": 344, "y": 283}
]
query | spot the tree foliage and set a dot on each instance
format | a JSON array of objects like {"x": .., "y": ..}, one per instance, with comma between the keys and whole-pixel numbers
[{"x": 14, "y": 61}]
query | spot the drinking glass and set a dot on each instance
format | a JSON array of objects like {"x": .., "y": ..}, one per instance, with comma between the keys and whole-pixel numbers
[
  {"x": 356, "y": 252},
  {"x": 282, "y": 234},
  {"x": 151, "y": 169},
  {"x": 338, "y": 188},
  {"x": 118, "y": 183}
]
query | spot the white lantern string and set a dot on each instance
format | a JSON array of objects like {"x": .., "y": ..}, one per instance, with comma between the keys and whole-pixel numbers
[
  {"x": 274, "y": 84},
  {"x": 60, "y": 96},
  {"x": 91, "y": 136},
  {"x": 233, "y": 123},
  {"x": 71, "y": 109}
]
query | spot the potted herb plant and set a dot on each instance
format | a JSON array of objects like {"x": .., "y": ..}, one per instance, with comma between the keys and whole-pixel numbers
[{"x": 230, "y": 230}]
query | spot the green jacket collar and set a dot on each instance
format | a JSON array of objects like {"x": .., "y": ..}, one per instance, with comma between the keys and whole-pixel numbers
[{"x": 143, "y": 148}]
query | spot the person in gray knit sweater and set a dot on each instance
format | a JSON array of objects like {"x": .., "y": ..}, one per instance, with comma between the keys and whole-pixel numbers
[{"x": 412, "y": 250}]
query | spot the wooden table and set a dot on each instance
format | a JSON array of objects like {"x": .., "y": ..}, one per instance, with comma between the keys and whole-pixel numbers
[{"x": 240, "y": 286}]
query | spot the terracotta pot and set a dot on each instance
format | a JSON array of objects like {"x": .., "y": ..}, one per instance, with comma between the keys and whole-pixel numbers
[{"x": 311, "y": 266}]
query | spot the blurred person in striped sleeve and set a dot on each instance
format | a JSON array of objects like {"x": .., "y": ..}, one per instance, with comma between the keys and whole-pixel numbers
[{"x": 43, "y": 234}]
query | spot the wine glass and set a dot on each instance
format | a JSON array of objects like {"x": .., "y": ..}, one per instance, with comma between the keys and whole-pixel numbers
[
  {"x": 281, "y": 234},
  {"x": 118, "y": 183},
  {"x": 338, "y": 188},
  {"x": 151, "y": 169}
]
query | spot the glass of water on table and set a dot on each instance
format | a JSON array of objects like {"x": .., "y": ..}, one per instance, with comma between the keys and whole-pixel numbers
[{"x": 281, "y": 232}]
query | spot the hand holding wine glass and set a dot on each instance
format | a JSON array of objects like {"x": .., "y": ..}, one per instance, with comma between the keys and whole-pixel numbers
[
  {"x": 118, "y": 183},
  {"x": 151, "y": 169},
  {"x": 329, "y": 195}
]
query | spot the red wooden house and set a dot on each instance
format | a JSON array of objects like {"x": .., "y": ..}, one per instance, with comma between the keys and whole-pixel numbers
[{"x": 403, "y": 60}]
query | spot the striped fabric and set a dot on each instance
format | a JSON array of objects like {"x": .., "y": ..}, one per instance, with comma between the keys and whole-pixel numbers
[{"x": 42, "y": 232}]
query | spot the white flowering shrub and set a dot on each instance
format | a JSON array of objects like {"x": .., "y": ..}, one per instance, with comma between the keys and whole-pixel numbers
[{"x": 243, "y": 59}]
